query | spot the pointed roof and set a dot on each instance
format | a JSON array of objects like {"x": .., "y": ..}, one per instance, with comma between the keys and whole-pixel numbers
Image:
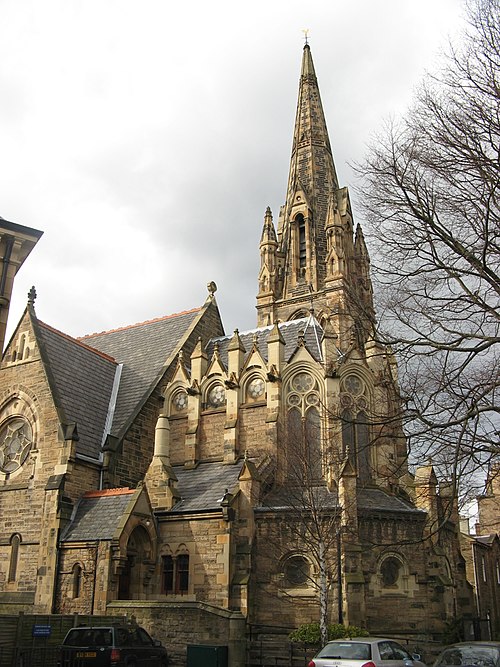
[
  {"x": 97, "y": 515},
  {"x": 100, "y": 382},
  {"x": 311, "y": 165},
  {"x": 81, "y": 381},
  {"x": 144, "y": 350},
  {"x": 258, "y": 339}
]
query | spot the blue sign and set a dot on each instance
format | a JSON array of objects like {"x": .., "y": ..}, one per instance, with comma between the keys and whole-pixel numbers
[{"x": 41, "y": 631}]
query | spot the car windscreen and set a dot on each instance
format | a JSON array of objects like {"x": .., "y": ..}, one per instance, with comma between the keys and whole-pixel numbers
[
  {"x": 346, "y": 651},
  {"x": 89, "y": 637},
  {"x": 481, "y": 656}
]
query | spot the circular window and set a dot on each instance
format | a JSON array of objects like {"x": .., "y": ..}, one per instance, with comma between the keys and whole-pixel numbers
[
  {"x": 16, "y": 440},
  {"x": 353, "y": 385},
  {"x": 302, "y": 382},
  {"x": 180, "y": 401},
  {"x": 216, "y": 396},
  {"x": 256, "y": 388},
  {"x": 297, "y": 571},
  {"x": 390, "y": 571}
]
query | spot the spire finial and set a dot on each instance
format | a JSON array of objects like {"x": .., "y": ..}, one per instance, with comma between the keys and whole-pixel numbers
[
  {"x": 32, "y": 296},
  {"x": 306, "y": 35}
]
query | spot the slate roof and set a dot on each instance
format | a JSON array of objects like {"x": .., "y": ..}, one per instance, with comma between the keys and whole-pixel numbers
[
  {"x": 377, "y": 500},
  {"x": 98, "y": 515},
  {"x": 143, "y": 349},
  {"x": 369, "y": 499},
  {"x": 203, "y": 487},
  {"x": 83, "y": 381},
  {"x": 290, "y": 331}
]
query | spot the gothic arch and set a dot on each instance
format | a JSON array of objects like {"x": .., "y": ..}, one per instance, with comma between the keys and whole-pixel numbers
[
  {"x": 253, "y": 387},
  {"x": 393, "y": 574},
  {"x": 214, "y": 394},
  {"x": 136, "y": 567},
  {"x": 355, "y": 411}
]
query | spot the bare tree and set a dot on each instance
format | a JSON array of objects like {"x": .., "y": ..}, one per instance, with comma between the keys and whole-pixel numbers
[
  {"x": 430, "y": 192},
  {"x": 313, "y": 518}
]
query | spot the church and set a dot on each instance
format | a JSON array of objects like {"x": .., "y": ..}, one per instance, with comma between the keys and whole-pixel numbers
[{"x": 219, "y": 486}]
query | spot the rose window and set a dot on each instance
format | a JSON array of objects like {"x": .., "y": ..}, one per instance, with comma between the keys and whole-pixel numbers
[
  {"x": 216, "y": 396},
  {"x": 256, "y": 388},
  {"x": 16, "y": 440}
]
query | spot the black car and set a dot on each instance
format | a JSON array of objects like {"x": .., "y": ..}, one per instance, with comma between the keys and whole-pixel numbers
[{"x": 111, "y": 646}]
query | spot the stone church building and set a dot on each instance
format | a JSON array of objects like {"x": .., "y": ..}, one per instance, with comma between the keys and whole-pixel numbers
[{"x": 219, "y": 486}]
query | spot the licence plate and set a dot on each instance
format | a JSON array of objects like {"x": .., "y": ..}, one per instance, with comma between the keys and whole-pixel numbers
[{"x": 86, "y": 654}]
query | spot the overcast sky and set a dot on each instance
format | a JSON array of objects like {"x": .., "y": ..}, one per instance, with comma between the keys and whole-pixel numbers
[{"x": 146, "y": 138}]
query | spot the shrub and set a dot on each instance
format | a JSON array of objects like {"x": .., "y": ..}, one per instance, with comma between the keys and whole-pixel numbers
[{"x": 309, "y": 632}]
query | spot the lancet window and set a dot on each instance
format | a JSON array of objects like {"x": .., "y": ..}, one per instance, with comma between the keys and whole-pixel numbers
[
  {"x": 356, "y": 424},
  {"x": 304, "y": 426}
]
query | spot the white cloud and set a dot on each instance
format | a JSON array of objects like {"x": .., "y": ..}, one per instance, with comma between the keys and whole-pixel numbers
[{"x": 147, "y": 138}]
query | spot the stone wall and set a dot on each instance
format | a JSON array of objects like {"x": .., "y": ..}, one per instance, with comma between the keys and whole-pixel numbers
[{"x": 178, "y": 625}]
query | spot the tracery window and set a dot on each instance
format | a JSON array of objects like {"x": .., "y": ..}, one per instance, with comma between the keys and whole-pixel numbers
[
  {"x": 255, "y": 390},
  {"x": 179, "y": 402},
  {"x": 355, "y": 424},
  {"x": 216, "y": 396},
  {"x": 304, "y": 426}
]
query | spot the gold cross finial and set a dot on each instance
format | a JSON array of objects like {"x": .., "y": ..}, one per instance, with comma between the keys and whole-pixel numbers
[{"x": 306, "y": 34}]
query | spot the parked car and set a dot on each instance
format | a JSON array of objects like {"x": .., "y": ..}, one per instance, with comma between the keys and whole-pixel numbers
[
  {"x": 365, "y": 652},
  {"x": 108, "y": 646},
  {"x": 480, "y": 654}
]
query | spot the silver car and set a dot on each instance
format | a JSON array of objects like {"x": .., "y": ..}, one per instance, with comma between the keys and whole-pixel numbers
[
  {"x": 480, "y": 654},
  {"x": 365, "y": 652}
]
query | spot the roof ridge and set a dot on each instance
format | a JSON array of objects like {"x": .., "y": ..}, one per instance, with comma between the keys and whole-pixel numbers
[
  {"x": 108, "y": 492},
  {"x": 77, "y": 341},
  {"x": 139, "y": 324}
]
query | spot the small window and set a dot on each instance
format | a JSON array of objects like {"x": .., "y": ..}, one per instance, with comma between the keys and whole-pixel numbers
[
  {"x": 77, "y": 580},
  {"x": 256, "y": 389},
  {"x": 179, "y": 402},
  {"x": 302, "y": 241},
  {"x": 182, "y": 579},
  {"x": 297, "y": 571},
  {"x": 216, "y": 397},
  {"x": 168, "y": 574},
  {"x": 175, "y": 575},
  {"x": 390, "y": 570},
  {"x": 15, "y": 542}
]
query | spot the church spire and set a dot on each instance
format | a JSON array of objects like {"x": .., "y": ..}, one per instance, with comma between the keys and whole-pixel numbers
[
  {"x": 314, "y": 256},
  {"x": 311, "y": 162}
]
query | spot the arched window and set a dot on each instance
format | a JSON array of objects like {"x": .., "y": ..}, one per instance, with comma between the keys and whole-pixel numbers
[
  {"x": 77, "y": 580},
  {"x": 297, "y": 571},
  {"x": 304, "y": 453},
  {"x": 216, "y": 396},
  {"x": 15, "y": 542},
  {"x": 390, "y": 570},
  {"x": 356, "y": 426},
  {"x": 255, "y": 390},
  {"x": 175, "y": 574},
  {"x": 182, "y": 574},
  {"x": 302, "y": 240},
  {"x": 179, "y": 402}
]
